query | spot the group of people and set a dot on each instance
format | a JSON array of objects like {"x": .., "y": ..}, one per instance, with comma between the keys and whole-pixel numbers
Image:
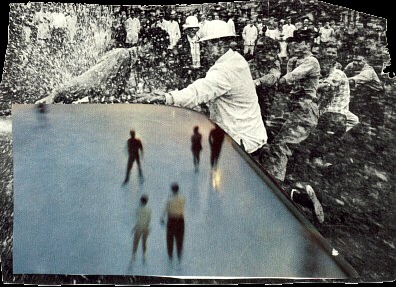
[
  {"x": 216, "y": 138},
  {"x": 174, "y": 211},
  {"x": 203, "y": 70}
]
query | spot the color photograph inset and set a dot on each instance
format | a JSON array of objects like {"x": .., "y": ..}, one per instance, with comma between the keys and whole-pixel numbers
[{"x": 75, "y": 212}]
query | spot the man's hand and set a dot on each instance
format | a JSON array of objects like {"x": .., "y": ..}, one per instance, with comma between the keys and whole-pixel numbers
[{"x": 282, "y": 82}]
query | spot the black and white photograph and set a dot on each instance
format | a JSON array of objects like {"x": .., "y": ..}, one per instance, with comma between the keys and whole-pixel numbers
[{"x": 230, "y": 142}]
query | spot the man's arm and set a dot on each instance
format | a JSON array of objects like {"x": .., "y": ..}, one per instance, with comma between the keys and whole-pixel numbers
[
  {"x": 270, "y": 79},
  {"x": 214, "y": 85},
  {"x": 363, "y": 77},
  {"x": 301, "y": 71},
  {"x": 348, "y": 70}
]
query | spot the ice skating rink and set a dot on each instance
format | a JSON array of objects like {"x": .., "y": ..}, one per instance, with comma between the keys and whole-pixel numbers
[{"x": 73, "y": 216}]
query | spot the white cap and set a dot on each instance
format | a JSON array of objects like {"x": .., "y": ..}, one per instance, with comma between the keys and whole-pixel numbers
[
  {"x": 217, "y": 29},
  {"x": 191, "y": 22}
]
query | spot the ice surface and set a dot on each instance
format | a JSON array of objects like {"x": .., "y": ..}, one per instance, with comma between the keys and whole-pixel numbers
[{"x": 73, "y": 216}]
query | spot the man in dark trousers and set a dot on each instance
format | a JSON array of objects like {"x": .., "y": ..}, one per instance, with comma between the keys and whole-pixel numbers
[
  {"x": 216, "y": 138},
  {"x": 134, "y": 145},
  {"x": 196, "y": 147},
  {"x": 174, "y": 211}
]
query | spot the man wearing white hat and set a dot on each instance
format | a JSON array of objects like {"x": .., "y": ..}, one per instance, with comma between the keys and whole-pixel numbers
[
  {"x": 228, "y": 90},
  {"x": 187, "y": 51},
  {"x": 173, "y": 30}
]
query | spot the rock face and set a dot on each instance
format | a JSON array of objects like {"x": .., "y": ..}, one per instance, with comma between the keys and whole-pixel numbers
[{"x": 107, "y": 78}]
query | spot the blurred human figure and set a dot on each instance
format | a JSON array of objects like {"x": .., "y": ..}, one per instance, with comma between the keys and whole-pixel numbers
[
  {"x": 326, "y": 34},
  {"x": 188, "y": 54},
  {"x": 283, "y": 49},
  {"x": 196, "y": 147},
  {"x": 288, "y": 28},
  {"x": 42, "y": 20},
  {"x": 316, "y": 51},
  {"x": 305, "y": 23},
  {"x": 273, "y": 31},
  {"x": 173, "y": 30},
  {"x": 231, "y": 22},
  {"x": 58, "y": 27},
  {"x": 118, "y": 31},
  {"x": 249, "y": 35},
  {"x": 216, "y": 138},
  {"x": 132, "y": 27},
  {"x": 266, "y": 72},
  {"x": 71, "y": 21},
  {"x": 366, "y": 90},
  {"x": 334, "y": 89},
  {"x": 41, "y": 113},
  {"x": 303, "y": 75},
  {"x": 174, "y": 211},
  {"x": 216, "y": 16},
  {"x": 202, "y": 26},
  {"x": 261, "y": 28},
  {"x": 142, "y": 227},
  {"x": 135, "y": 149},
  {"x": 161, "y": 22},
  {"x": 41, "y": 108}
]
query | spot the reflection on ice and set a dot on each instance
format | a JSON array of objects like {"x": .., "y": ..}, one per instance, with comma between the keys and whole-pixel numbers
[{"x": 216, "y": 178}]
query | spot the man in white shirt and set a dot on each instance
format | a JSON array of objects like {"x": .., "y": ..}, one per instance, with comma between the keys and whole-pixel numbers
[
  {"x": 132, "y": 27},
  {"x": 326, "y": 33},
  {"x": 249, "y": 35},
  {"x": 288, "y": 28},
  {"x": 42, "y": 20},
  {"x": 173, "y": 30},
  {"x": 161, "y": 22},
  {"x": 228, "y": 90},
  {"x": 231, "y": 22},
  {"x": 273, "y": 31}
]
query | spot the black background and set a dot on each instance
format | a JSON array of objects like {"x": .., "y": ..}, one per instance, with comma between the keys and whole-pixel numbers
[{"x": 378, "y": 8}]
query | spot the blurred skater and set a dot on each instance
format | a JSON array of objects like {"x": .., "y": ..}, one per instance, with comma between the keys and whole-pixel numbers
[
  {"x": 42, "y": 109},
  {"x": 134, "y": 145},
  {"x": 41, "y": 114},
  {"x": 174, "y": 210},
  {"x": 196, "y": 147},
  {"x": 216, "y": 138},
  {"x": 142, "y": 227}
]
